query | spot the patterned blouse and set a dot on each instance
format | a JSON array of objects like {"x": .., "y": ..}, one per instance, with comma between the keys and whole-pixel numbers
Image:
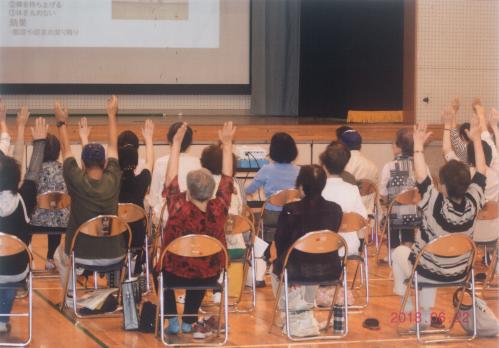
[
  {"x": 185, "y": 218},
  {"x": 51, "y": 179}
]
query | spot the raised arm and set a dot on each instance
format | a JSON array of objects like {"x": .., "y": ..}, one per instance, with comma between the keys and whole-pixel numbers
[
  {"x": 4, "y": 131},
  {"x": 112, "y": 110},
  {"x": 475, "y": 136},
  {"x": 448, "y": 120},
  {"x": 147, "y": 134},
  {"x": 493, "y": 120},
  {"x": 22, "y": 119},
  {"x": 172, "y": 167},
  {"x": 226, "y": 135},
  {"x": 84, "y": 131},
  {"x": 62, "y": 118},
  {"x": 420, "y": 137},
  {"x": 482, "y": 121}
]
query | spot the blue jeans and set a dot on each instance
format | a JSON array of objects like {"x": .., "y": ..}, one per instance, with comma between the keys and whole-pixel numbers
[{"x": 7, "y": 297}]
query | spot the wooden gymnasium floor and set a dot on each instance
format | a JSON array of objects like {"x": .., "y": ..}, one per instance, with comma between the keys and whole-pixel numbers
[{"x": 53, "y": 329}]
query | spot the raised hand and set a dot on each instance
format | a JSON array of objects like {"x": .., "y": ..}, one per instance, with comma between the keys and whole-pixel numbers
[
  {"x": 179, "y": 135},
  {"x": 478, "y": 107},
  {"x": 448, "y": 116},
  {"x": 494, "y": 117},
  {"x": 61, "y": 113},
  {"x": 84, "y": 130},
  {"x": 420, "y": 135},
  {"x": 474, "y": 133},
  {"x": 226, "y": 134},
  {"x": 3, "y": 111},
  {"x": 112, "y": 105},
  {"x": 40, "y": 130},
  {"x": 22, "y": 116},
  {"x": 148, "y": 130}
]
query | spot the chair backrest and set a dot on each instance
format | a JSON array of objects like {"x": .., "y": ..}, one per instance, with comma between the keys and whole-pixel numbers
[
  {"x": 318, "y": 242},
  {"x": 236, "y": 224},
  {"x": 367, "y": 187},
  {"x": 195, "y": 245},
  {"x": 130, "y": 212},
  {"x": 53, "y": 200},
  {"x": 489, "y": 211},
  {"x": 352, "y": 222},
  {"x": 283, "y": 197},
  {"x": 408, "y": 197},
  {"x": 246, "y": 211},
  {"x": 11, "y": 245},
  {"x": 103, "y": 226}
]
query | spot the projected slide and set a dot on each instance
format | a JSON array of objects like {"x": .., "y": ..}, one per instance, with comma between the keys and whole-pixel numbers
[{"x": 110, "y": 23}]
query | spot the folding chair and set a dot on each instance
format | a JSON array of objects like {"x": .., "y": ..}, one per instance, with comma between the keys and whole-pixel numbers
[
  {"x": 102, "y": 226},
  {"x": 407, "y": 197},
  {"x": 318, "y": 242},
  {"x": 238, "y": 224},
  {"x": 489, "y": 212},
  {"x": 445, "y": 247},
  {"x": 131, "y": 213},
  {"x": 353, "y": 222},
  {"x": 196, "y": 245},
  {"x": 53, "y": 201},
  {"x": 368, "y": 188},
  {"x": 10, "y": 245},
  {"x": 279, "y": 199}
]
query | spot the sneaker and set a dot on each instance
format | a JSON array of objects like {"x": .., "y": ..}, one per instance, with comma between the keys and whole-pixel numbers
[
  {"x": 22, "y": 292},
  {"x": 173, "y": 326},
  {"x": 187, "y": 328},
  {"x": 212, "y": 324},
  {"x": 201, "y": 330},
  {"x": 49, "y": 265},
  {"x": 4, "y": 329}
]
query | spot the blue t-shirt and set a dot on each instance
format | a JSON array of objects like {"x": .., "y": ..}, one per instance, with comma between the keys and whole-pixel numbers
[{"x": 274, "y": 177}]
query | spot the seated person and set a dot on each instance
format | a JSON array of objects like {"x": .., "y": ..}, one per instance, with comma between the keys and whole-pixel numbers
[
  {"x": 274, "y": 177},
  {"x": 94, "y": 190},
  {"x": 135, "y": 186},
  {"x": 16, "y": 205},
  {"x": 311, "y": 213},
  {"x": 186, "y": 164},
  {"x": 453, "y": 211},
  {"x": 127, "y": 138},
  {"x": 398, "y": 176},
  {"x": 334, "y": 159},
  {"x": 485, "y": 230},
  {"x": 51, "y": 179},
  {"x": 194, "y": 212}
]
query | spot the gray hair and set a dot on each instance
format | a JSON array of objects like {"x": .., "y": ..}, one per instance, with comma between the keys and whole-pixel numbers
[{"x": 200, "y": 184}]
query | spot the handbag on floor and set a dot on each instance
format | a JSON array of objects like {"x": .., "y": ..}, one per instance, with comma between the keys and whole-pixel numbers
[
  {"x": 130, "y": 292},
  {"x": 487, "y": 324}
]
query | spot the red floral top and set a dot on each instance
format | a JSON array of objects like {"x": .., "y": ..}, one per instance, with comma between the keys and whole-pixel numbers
[{"x": 185, "y": 218}]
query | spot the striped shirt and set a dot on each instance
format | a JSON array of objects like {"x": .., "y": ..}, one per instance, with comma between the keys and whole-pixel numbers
[
  {"x": 442, "y": 216},
  {"x": 459, "y": 145}
]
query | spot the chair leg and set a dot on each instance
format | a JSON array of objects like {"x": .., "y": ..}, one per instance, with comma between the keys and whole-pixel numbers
[
  {"x": 30, "y": 308},
  {"x": 96, "y": 286},
  {"x": 146, "y": 251},
  {"x": 162, "y": 309},
  {"x": 276, "y": 303},
  {"x": 286, "y": 304},
  {"x": 65, "y": 292}
]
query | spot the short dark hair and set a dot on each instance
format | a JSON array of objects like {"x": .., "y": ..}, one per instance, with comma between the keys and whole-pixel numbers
[
  {"x": 10, "y": 172},
  {"x": 93, "y": 155},
  {"x": 312, "y": 179},
  {"x": 487, "y": 151},
  {"x": 212, "y": 159},
  {"x": 283, "y": 148},
  {"x": 186, "y": 142},
  {"x": 128, "y": 138},
  {"x": 128, "y": 158},
  {"x": 455, "y": 175},
  {"x": 405, "y": 141},
  {"x": 52, "y": 148},
  {"x": 340, "y": 130},
  {"x": 335, "y": 157},
  {"x": 462, "y": 131}
]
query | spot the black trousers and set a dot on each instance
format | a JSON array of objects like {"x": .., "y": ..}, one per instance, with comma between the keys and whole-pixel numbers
[
  {"x": 193, "y": 298},
  {"x": 399, "y": 236},
  {"x": 53, "y": 239}
]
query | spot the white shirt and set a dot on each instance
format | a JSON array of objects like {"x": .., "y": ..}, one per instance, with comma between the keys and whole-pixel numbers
[
  {"x": 5, "y": 143},
  {"x": 347, "y": 196},
  {"x": 187, "y": 163},
  {"x": 361, "y": 167}
]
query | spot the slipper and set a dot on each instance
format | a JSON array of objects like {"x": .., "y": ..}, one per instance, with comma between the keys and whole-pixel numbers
[{"x": 371, "y": 324}]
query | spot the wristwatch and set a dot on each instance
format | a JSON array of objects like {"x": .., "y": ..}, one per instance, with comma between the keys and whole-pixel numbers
[{"x": 60, "y": 124}]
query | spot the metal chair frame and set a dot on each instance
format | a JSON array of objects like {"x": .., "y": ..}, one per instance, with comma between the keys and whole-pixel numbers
[
  {"x": 317, "y": 242},
  {"x": 367, "y": 188},
  {"x": 195, "y": 245},
  {"x": 453, "y": 248},
  {"x": 51, "y": 200},
  {"x": 406, "y": 197},
  {"x": 138, "y": 214},
  {"x": 279, "y": 198},
  {"x": 12, "y": 247},
  {"x": 95, "y": 233}
]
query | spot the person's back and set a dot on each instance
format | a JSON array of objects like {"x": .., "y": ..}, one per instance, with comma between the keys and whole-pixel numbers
[{"x": 359, "y": 166}]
